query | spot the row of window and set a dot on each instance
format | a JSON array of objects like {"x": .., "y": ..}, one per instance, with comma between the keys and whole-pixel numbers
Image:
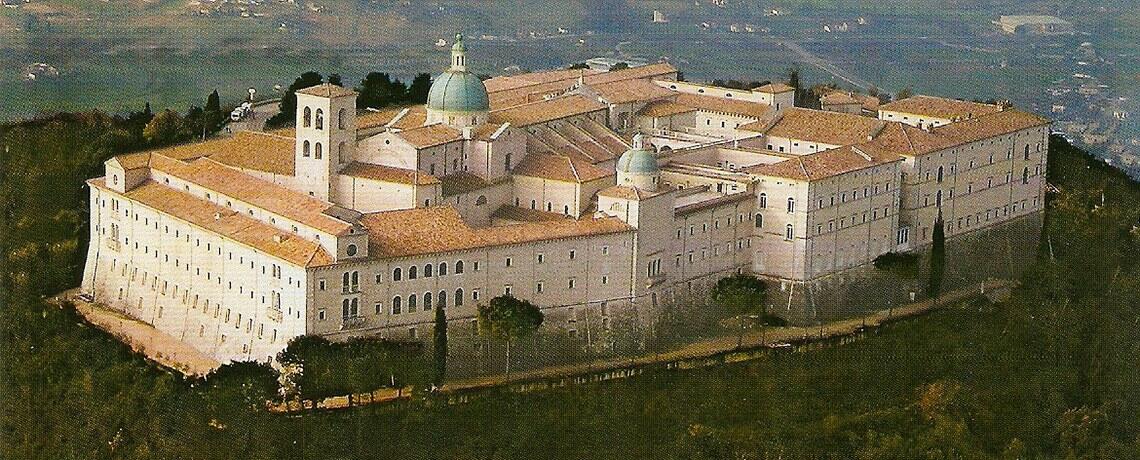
[
  {"x": 350, "y": 308},
  {"x": 317, "y": 119},
  {"x": 939, "y": 174}
]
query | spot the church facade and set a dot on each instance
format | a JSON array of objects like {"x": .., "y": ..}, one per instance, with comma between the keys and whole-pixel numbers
[{"x": 579, "y": 190}]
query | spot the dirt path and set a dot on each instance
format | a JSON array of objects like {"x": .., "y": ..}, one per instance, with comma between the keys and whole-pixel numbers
[{"x": 143, "y": 338}]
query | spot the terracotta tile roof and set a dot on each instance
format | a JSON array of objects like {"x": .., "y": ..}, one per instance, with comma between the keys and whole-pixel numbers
[
  {"x": 722, "y": 105},
  {"x": 266, "y": 195},
  {"x": 559, "y": 167},
  {"x": 544, "y": 111},
  {"x": 133, "y": 160},
  {"x": 991, "y": 125},
  {"x": 258, "y": 151},
  {"x": 505, "y": 83},
  {"x": 939, "y": 107},
  {"x": 664, "y": 109},
  {"x": 909, "y": 140},
  {"x": 626, "y": 192},
  {"x": 624, "y": 91},
  {"x": 838, "y": 98},
  {"x": 520, "y": 214},
  {"x": 388, "y": 174},
  {"x": 483, "y": 132},
  {"x": 773, "y": 88},
  {"x": 441, "y": 229},
  {"x": 327, "y": 90},
  {"x": 462, "y": 182},
  {"x": 416, "y": 116},
  {"x": 372, "y": 119},
  {"x": 718, "y": 201},
  {"x": 827, "y": 163},
  {"x": 558, "y": 82},
  {"x": 227, "y": 223},
  {"x": 822, "y": 126},
  {"x": 430, "y": 135}
]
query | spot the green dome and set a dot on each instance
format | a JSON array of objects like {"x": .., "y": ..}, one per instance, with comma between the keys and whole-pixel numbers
[
  {"x": 458, "y": 91},
  {"x": 637, "y": 160}
]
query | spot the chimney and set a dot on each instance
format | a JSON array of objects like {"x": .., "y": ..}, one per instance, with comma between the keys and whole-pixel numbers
[
  {"x": 278, "y": 238},
  {"x": 217, "y": 216}
]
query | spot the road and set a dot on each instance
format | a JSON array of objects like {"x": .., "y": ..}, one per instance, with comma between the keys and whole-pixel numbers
[
  {"x": 825, "y": 66},
  {"x": 254, "y": 121}
]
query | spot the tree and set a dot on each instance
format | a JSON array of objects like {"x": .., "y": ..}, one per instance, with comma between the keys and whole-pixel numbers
[
  {"x": 578, "y": 65},
  {"x": 439, "y": 349},
  {"x": 378, "y": 89},
  {"x": 803, "y": 96},
  {"x": 740, "y": 295},
  {"x": 335, "y": 79},
  {"x": 904, "y": 93},
  {"x": 213, "y": 111},
  {"x": 937, "y": 258},
  {"x": 165, "y": 128},
  {"x": 288, "y": 112},
  {"x": 619, "y": 66},
  {"x": 245, "y": 385},
  {"x": 418, "y": 91},
  {"x": 509, "y": 319}
]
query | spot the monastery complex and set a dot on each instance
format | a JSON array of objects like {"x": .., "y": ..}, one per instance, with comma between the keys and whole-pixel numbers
[{"x": 579, "y": 190}]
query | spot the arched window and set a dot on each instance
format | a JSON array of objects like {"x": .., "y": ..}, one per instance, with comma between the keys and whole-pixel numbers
[
  {"x": 317, "y": 151},
  {"x": 759, "y": 220},
  {"x": 396, "y": 273},
  {"x": 427, "y": 301},
  {"x": 340, "y": 119},
  {"x": 305, "y": 148},
  {"x": 320, "y": 119},
  {"x": 355, "y": 310},
  {"x": 344, "y": 282},
  {"x": 791, "y": 205},
  {"x": 355, "y": 280},
  {"x": 412, "y": 272},
  {"x": 442, "y": 268},
  {"x": 1026, "y": 151},
  {"x": 396, "y": 305},
  {"x": 427, "y": 271},
  {"x": 344, "y": 309},
  {"x": 459, "y": 297},
  {"x": 938, "y": 199},
  {"x": 507, "y": 162},
  {"x": 482, "y": 200},
  {"x": 441, "y": 301},
  {"x": 939, "y": 174},
  {"x": 789, "y": 232},
  {"x": 308, "y": 119},
  {"x": 1025, "y": 175},
  {"x": 533, "y": 204},
  {"x": 459, "y": 267},
  {"x": 763, "y": 200},
  {"x": 411, "y": 303}
]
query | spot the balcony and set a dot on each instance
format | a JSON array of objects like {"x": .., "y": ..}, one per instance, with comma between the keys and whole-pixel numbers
[{"x": 274, "y": 314}]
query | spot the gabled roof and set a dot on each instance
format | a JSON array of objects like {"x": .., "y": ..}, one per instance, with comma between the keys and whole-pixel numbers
[
  {"x": 440, "y": 229},
  {"x": 828, "y": 163},
  {"x": 258, "y": 151},
  {"x": 422, "y": 137},
  {"x": 327, "y": 90},
  {"x": 462, "y": 182},
  {"x": 547, "y": 110},
  {"x": 664, "y": 108},
  {"x": 939, "y": 107},
  {"x": 626, "y": 192},
  {"x": 773, "y": 88},
  {"x": 227, "y": 223},
  {"x": 388, "y": 174},
  {"x": 625, "y": 91},
  {"x": 559, "y": 167},
  {"x": 826, "y": 127},
  {"x": 723, "y": 105},
  {"x": 266, "y": 195},
  {"x": 838, "y": 98}
]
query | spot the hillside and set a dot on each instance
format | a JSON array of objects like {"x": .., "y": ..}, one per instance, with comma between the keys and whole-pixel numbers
[{"x": 1048, "y": 374}]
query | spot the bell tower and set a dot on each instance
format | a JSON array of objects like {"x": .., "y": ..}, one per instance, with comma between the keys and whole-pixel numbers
[{"x": 325, "y": 136}]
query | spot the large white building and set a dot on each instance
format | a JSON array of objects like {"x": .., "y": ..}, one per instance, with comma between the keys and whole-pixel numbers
[{"x": 585, "y": 192}]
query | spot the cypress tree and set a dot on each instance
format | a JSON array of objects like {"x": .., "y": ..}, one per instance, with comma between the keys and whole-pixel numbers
[
  {"x": 439, "y": 350},
  {"x": 937, "y": 258}
]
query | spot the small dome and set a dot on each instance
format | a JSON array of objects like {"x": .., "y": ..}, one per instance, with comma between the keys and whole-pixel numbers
[
  {"x": 638, "y": 159},
  {"x": 458, "y": 91}
]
